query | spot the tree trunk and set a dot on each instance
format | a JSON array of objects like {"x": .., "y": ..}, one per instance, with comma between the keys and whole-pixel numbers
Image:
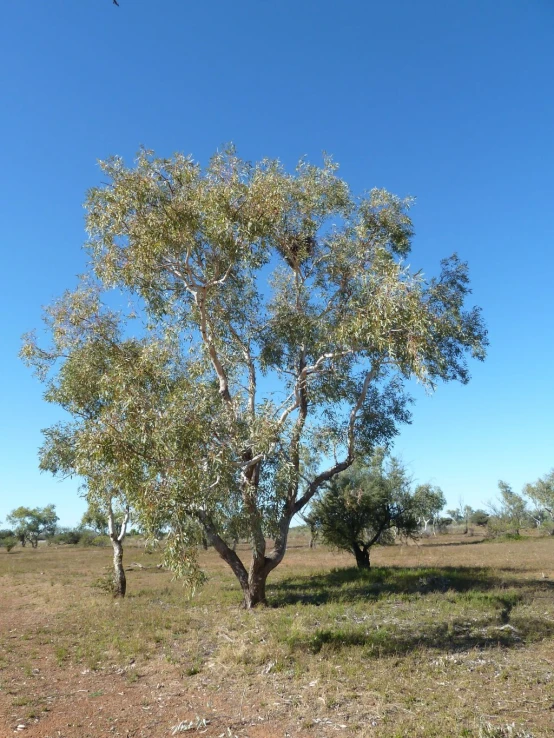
[
  {"x": 252, "y": 582},
  {"x": 254, "y": 592},
  {"x": 362, "y": 557},
  {"x": 119, "y": 579},
  {"x": 253, "y": 587}
]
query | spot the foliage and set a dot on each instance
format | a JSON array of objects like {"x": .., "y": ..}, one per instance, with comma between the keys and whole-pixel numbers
[
  {"x": 509, "y": 513},
  {"x": 365, "y": 506},
  {"x": 8, "y": 542},
  {"x": 70, "y": 536},
  {"x": 105, "y": 583},
  {"x": 455, "y": 514},
  {"x": 32, "y": 523},
  {"x": 95, "y": 519},
  {"x": 242, "y": 271},
  {"x": 541, "y": 493},
  {"x": 429, "y": 500},
  {"x": 480, "y": 517},
  {"x": 100, "y": 541}
]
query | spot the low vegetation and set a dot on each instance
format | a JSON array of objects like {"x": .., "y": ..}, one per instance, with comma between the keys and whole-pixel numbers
[{"x": 429, "y": 642}]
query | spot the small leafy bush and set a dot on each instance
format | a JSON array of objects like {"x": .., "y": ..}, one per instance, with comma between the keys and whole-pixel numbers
[
  {"x": 68, "y": 536},
  {"x": 8, "y": 542},
  {"x": 90, "y": 538}
]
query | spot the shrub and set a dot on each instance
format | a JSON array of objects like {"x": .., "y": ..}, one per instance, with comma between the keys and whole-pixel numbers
[
  {"x": 8, "y": 542},
  {"x": 66, "y": 536},
  {"x": 90, "y": 538},
  {"x": 100, "y": 541}
]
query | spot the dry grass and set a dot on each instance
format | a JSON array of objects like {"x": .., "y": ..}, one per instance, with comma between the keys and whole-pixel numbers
[{"x": 453, "y": 637}]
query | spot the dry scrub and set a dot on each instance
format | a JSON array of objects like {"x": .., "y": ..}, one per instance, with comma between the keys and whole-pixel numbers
[{"x": 448, "y": 638}]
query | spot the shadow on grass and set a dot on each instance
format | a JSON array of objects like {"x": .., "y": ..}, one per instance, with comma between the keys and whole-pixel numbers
[
  {"x": 478, "y": 612},
  {"x": 354, "y": 585},
  {"x": 451, "y": 543},
  {"x": 451, "y": 636}
]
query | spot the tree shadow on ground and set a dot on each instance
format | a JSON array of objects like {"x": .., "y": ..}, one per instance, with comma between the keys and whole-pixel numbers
[
  {"x": 453, "y": 636},
  {"x": 357, "y": 585},
  {"x": 481, "y": 610},
  {"x": 450, "y": 543}
]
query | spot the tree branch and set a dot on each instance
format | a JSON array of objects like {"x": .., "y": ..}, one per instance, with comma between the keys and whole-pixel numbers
[
  {"x": 226, "y": 553},
  {"x": 345, "y": 463}
]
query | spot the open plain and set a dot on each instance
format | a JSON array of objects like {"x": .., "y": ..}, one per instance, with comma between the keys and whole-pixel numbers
[{"x": 451, "y": 636}]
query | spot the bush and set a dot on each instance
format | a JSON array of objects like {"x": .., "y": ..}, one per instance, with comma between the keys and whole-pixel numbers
[
  {"x": 480, "y": 517},
  {"x": 66, "y": 536},
  {"x": 105, "y": 583},
  {"x": 8, "y": 542},
  {"x": 90, "y": 538},
  {"x": 442, "y": 524},
  {"x": 100, "y": 541}
]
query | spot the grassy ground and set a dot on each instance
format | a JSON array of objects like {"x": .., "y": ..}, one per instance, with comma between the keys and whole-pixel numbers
[{"x": 452, "y": 637}]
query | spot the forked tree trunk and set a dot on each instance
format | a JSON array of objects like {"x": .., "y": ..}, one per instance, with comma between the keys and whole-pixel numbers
[
  {"x": 362, "y": 557},
  {"x": 253, "y": 581},
  {"x": 119, "y": 578}
]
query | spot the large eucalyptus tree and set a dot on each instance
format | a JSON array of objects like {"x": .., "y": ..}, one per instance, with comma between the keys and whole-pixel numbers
[{"x": 280, "y": 323}]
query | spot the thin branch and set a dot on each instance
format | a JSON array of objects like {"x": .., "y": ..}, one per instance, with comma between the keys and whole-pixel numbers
[
  {"x": 340, "y": 466},
  {"x": 123, "y": 530}
]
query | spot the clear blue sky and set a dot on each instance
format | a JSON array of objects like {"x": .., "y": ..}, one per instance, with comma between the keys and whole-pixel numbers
[{"x": 451, "y": 102}]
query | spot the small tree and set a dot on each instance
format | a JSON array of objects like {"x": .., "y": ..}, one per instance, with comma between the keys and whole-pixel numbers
[
  {"x": 429, "y": 500},
  {"x": 311, "y": 521},
  {"x": 117, "y": 532},
  {"x": 541, "y": 493},
  {"x": 32, "y": 523},
  {"x": 362, "y": 506},
  {"x": 7, "y": 539},
  {"x": 109, "y": 515},
  {"x": 455, "y": 514},
  {"x": 510, "y": 511},
  {"x": 480, "y": 517}
]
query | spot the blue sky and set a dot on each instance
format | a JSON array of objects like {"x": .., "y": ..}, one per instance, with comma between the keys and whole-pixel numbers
[{"x": 449, "y": 102}]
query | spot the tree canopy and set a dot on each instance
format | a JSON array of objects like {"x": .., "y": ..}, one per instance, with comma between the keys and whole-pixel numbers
[
  {"x": 429, "y": 501},
  {"x": 32, "y": 523},
  {"x": 541, "y": 492},
  {"x": 276, "y": 322},
  {"x": 511, "y": 509},
  {"x": 363, "y": 505}
]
